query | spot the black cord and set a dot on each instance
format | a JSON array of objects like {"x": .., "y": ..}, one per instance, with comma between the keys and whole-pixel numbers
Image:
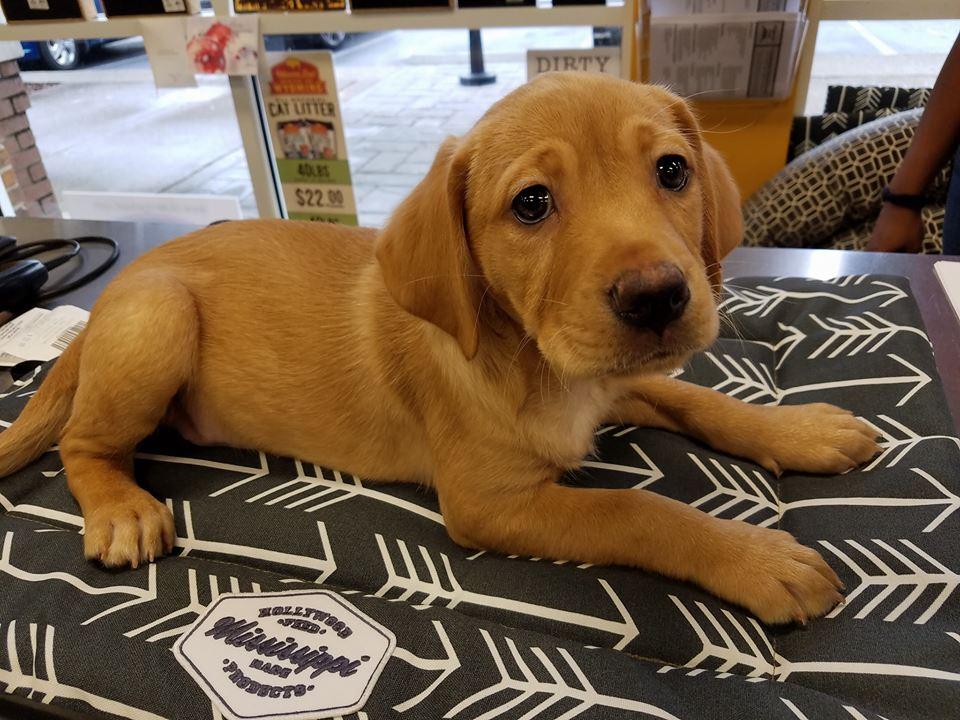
[
  {"x": 27, "y": 250},
  {"x": 59, "y": 259},
  {"x": 86, "y": 277}
]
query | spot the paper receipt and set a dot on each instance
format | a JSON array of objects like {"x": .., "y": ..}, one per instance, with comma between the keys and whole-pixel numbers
[{"x": 40, "y": 334}]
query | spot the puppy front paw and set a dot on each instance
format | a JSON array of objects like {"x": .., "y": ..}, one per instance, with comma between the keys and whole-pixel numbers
[
  {"x": 128, "y": 531},
  {"x": 815, "y": 438},
  {"x": 773, "y": 576}
]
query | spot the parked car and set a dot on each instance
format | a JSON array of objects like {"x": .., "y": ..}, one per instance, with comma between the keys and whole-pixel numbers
[
  {"x": 65, "y": 54},
  {"x": 318, "y": 41}
]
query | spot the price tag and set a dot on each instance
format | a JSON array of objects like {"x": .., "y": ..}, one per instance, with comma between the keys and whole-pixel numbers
[
  {"x": 303, "y": 113},
  {"x": 174, "y": 6},
  {"x": 38, "y": 4}
]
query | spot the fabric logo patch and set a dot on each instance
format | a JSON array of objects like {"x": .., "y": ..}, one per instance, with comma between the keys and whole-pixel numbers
[{"x": 302, "y": 654}]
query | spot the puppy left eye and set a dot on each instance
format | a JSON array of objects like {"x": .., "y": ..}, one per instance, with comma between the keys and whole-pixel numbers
[
  {"x": 672, "y": 172},
  {"x": 533, "y": 204}
]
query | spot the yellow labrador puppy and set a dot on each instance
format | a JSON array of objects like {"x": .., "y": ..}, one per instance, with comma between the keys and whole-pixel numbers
[{"x": 553, "y": 265}]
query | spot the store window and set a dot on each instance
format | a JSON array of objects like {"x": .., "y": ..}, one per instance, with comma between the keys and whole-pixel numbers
[
  {"x": 401, "y": 95},
  {"x": 892, "y": 53},
  {"x": 102, "y": 126}
]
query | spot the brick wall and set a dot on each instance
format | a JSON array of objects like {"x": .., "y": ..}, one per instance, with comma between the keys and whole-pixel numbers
[{"x": 35, "y": 193}]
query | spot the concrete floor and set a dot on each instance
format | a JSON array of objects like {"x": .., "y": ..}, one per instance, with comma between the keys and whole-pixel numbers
[{"x": 106, "y": 127}]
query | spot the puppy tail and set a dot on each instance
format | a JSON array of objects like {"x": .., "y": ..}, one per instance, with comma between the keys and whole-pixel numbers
[{"x": 43, "y": 419}]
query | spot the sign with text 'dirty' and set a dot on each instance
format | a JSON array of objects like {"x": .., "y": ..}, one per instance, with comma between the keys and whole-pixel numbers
[{"x": 604, "y": 60}]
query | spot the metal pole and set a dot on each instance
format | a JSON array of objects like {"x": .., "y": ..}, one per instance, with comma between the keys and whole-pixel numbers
[{"x": 477, "y": 76}]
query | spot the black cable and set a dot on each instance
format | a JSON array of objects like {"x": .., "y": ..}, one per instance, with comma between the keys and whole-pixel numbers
[
  {"x": 37, "y": 247},
  {"x": 61, "y": 259},
  {"x": 86, "y": 277}
]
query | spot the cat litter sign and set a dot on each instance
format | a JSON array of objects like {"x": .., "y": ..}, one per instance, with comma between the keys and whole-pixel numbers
[{"x": 305, "y": 655}]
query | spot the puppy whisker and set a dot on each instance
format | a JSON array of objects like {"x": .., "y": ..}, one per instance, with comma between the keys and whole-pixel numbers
[{"x": 443, "y": 275}]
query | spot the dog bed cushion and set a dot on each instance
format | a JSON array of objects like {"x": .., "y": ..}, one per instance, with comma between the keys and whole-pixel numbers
[{"x": 480, "y": 635}]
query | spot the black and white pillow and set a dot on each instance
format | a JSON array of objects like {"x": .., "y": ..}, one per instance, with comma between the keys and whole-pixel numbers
[{"x": 480, "y": 635}]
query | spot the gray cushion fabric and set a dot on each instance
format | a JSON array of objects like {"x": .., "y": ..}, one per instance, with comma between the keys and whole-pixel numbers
[{"x": 482, "y": 635}]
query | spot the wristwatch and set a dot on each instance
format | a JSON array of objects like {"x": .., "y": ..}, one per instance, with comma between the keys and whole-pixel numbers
[{"x": 911, "y": 202}]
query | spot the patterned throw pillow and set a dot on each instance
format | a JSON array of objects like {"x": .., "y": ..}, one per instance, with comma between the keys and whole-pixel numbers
[
  {"x": 844, "y": 98},
  {"x": 831, "y": 194},
  {"x": 848, "y": 107}
]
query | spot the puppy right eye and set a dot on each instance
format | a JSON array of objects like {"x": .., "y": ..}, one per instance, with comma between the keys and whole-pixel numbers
[{"x": 533, "y": 204}]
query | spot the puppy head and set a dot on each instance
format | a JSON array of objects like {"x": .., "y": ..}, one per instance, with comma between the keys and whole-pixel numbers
[{"x": 589, "y": 209}]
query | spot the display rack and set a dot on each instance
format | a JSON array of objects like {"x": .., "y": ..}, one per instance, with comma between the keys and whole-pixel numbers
[
  {"x": 752, "y": 134},
  {"x": 245, "y": 91},
  {"x": 339, "y": 21}
]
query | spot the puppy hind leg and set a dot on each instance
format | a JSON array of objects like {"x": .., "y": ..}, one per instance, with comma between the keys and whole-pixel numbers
[{"x": 140, "y": 350}]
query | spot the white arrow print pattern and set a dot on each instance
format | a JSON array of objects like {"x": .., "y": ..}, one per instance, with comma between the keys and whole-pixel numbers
[
  {"x": 785, "y": 345},
  {"x": 41, "y": 678},
  {"x": 649, "y": 470},
  {"x": 555, "y": 689},
  {"x": 139, "y": 595},
  {"x": 888, "y": 580},
  {"x": 433, "y": 590},
  {"x": 738, "y": 648},
  {"x": 193, "y": 607},
  {"x": 949, "y": 501},
  {"x": 737, "y": 488},
  {"x": 854, "y": 713},
  {"x": 747, "y": 494},
  {"x": 446, "y": 665},
  {"x": 760, "y": 301},
  {"x": 750, "y": 382},
  {"x": 326, "y": 565},
  {"x": 859, "y": 332},
  {"x": 302, "y": 492},
  {"x": 891, "y": 443}
]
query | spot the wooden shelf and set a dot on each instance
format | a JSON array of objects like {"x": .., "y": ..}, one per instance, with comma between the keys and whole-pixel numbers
[{"x": 303, "y": 23}]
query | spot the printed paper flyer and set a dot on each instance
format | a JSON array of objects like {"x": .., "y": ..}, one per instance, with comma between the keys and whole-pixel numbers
[
  {"x": 223, "y": 46},
  {"x": 303, "y": 112}
]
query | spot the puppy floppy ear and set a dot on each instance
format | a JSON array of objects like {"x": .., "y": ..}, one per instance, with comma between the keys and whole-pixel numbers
[
  {"x": 722, "y": 217},
  {"x": 424, "y": 255}
]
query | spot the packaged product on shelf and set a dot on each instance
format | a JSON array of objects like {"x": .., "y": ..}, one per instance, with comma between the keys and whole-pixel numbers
[
  {"x": 17, "y": 10},
  {"x": 245, "y": 6},
  {"x": 117, "y": 8}
]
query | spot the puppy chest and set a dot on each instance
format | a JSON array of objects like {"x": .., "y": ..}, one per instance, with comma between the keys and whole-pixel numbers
[{"x": 563, "y": 431}]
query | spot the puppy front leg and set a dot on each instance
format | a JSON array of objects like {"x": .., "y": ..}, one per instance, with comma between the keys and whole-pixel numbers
[
  {"x": 816, "y": 437},
  {"x": 765, "y": 571}
]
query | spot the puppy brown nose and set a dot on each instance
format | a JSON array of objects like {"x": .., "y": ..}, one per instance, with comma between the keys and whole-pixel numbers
[{"x": 651, "y": 298}]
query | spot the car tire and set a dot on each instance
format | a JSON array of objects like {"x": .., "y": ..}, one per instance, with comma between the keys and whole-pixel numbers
[{"x": 64, "y": 54}]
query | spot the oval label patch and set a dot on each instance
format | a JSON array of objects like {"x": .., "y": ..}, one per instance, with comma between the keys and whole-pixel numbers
[{"x": 301, "y": 654}]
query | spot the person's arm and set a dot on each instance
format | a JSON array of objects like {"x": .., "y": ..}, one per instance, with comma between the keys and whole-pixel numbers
[{"x": 900, "y": 229}]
